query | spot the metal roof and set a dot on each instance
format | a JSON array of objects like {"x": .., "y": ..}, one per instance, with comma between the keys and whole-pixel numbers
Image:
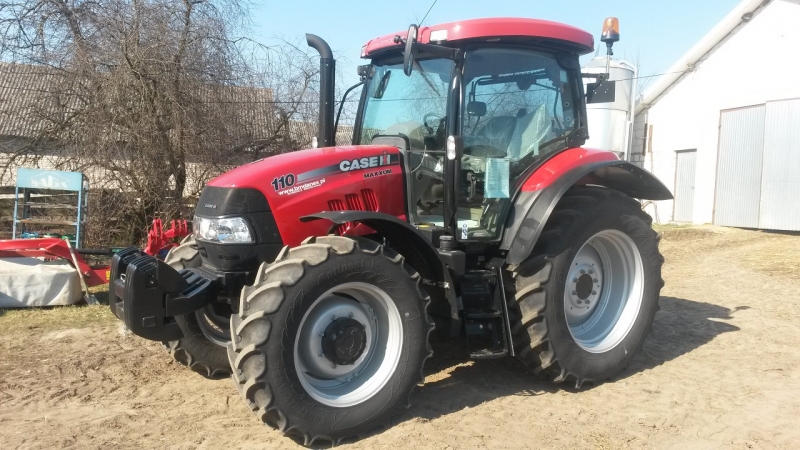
[
  {"x": 32, "y": 98},
  {"x": 742, "y": 14},
  {"x": 23, "y": 89}
]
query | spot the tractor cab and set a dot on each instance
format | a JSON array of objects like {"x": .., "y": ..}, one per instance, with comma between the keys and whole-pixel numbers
[{"x": 476, "y": 103}]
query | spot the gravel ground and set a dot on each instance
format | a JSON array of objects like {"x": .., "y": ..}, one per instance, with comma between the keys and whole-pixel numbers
[{"x": 721, "y": 370}]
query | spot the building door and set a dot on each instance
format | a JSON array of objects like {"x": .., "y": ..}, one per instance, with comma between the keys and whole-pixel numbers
[
  {"x": 684, "y": 185},
  {"x": 780, "y": 182},
  {"x": 739, "y": 162},
  {"x": 758, "y": 162}
]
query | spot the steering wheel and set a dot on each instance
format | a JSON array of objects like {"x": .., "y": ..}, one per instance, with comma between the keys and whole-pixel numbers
[{"x": 430, "y": 128}]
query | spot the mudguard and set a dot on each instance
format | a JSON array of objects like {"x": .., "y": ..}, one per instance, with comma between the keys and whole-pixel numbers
[
  {"x": 408, "y": 241},
  {"x": 533, "y": 206}
]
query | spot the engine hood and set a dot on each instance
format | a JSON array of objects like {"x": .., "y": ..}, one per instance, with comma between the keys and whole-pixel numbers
[{"x": 367, "y": 177}]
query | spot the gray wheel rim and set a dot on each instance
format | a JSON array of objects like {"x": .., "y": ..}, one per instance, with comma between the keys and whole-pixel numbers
[
  {"x": 603, "y": 292},
  {"x": 215, "y": 327},
  {"x": 339, "y": 385}
]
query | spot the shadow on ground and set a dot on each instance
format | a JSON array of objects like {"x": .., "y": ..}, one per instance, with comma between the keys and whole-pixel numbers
[{"x": 679, "y": 328}]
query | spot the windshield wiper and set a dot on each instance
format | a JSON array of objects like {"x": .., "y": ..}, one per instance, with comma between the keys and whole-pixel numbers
[
  {"x": 382, "y": 85},
  {"x": 425, "y": 77}
]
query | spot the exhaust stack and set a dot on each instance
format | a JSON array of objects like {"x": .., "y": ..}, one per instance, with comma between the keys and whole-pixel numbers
[{"x": 327, "y": 83}]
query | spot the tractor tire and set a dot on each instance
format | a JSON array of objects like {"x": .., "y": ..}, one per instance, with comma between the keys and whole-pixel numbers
[
  {"x": 205, "y": 332},
  {"x": 287, "y": 363},
  {"x": 584, "y": 301}
]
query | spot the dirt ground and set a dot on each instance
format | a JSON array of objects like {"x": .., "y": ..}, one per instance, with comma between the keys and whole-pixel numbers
[{"x": 721, "y": 370}]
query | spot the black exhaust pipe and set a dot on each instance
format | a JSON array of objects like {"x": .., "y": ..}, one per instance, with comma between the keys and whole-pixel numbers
[{"x": 327, "y": 80}]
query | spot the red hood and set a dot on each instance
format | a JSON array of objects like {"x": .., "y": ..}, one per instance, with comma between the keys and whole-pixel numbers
[{"x": 305, "y": 182}]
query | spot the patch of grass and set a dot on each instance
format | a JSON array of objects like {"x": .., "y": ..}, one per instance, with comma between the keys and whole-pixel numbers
[
  {"x": 100, "y": 292},
  {"x": 14, "y": 321},
  {"x": 673, "y": 232}
]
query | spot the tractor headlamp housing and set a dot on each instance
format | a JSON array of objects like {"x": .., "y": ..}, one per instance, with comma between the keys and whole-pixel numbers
[{"x": 229, "y": 230}]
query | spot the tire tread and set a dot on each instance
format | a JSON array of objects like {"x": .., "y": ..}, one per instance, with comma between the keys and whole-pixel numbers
[
  {"x": 530, "y": 335},
  {"x": 287, "y": 270}
]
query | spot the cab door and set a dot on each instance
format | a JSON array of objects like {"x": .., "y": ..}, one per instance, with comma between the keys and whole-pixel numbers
[{"x": 518, "y": 108}]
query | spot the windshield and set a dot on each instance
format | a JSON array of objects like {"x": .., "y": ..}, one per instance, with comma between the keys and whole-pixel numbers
[{"x": 413, "y": 106}]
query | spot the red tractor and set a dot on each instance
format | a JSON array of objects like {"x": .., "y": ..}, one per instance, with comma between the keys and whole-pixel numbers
[{"x": 315, "y": 277}]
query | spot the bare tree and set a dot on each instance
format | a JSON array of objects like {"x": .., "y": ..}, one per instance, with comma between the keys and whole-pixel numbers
[{"x": 150, "y": 98}]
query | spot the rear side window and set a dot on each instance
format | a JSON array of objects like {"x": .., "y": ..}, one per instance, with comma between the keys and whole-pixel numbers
[{"x": 517, "y": 101}]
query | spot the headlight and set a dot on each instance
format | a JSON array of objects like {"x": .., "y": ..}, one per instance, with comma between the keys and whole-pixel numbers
[{"x": 227, "y": 231}]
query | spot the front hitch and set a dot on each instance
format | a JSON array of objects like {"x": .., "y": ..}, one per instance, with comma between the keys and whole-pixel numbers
[{"x": 146, "y": 294}]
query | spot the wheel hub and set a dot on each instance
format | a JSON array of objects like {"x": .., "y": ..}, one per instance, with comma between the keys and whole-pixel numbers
[
  {"x": 603, "y": 291},
  {"x": 344, "y": 341},
  {"x": 348, "y": 344},
  {"x": 584, "y": 286}
]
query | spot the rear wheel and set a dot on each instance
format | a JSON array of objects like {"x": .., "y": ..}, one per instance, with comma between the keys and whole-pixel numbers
[
  {"x": 585, "y": 299},
  {"x": 206, "y": 332},
  {"x": 330, "y": 339}
]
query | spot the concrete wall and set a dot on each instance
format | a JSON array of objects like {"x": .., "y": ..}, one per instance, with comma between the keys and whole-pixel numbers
[{"x": 758, "y": 62}]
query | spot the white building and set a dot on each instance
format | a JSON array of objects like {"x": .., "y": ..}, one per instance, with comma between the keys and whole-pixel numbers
[{"x": 722, "y": 128}]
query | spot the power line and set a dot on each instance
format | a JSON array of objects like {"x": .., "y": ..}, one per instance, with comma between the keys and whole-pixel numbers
[{"x": 286, "y": 102}]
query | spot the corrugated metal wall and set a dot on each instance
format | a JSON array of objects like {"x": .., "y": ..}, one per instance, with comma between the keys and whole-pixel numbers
[
  {"x": 780, "y": 180},
  {"x": 758, "y": 172},
  {"x": 738, "y": 194},
  {"x": 685, "y": 171}
]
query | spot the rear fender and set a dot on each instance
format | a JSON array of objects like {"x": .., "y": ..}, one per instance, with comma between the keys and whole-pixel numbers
[
  {"x": 532, "y": 208},
  {"x": 408, "y": 241}
]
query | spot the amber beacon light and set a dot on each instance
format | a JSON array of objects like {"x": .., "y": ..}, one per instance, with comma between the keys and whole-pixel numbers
[{"x": 610, "y": 30}]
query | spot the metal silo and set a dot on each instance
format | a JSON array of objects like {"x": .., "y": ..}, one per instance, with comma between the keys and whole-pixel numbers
[{"x": 611, "y": 124}]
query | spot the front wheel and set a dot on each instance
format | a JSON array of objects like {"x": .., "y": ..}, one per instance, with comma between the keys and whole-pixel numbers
[
  {"x": 205, "y": 332},
  {"x": 586, "y": 298},
  {"x": 330, "y": 339}
]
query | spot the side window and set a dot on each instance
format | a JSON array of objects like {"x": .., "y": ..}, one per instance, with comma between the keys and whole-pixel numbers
[
  {"x": 517, "y": 101},
  {"x": 518, "y": 107}
]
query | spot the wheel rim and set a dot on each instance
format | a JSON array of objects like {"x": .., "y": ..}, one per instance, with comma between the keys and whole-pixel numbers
[
  {"x": 354, "y": 369},
  {"x": 214, "y": 325},
  {"x": 603, "y": 292}
]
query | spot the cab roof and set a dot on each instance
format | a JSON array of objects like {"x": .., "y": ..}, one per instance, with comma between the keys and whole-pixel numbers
[{"x": 484, "y": 29}]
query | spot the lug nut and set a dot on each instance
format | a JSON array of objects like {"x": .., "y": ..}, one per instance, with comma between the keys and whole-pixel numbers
[
  {"x": 574, "y": 292},
  {"x": 333, "y": 317},
  {"x": 319, "y": 354},
  {"x": 583, "y": 271},
  {"x": 594, "y": 280},
  {"x": 574, "y": 280},
  {"x": 333, "y": 365},
  {"x": 321, "y": 334},
  {"x": 594, "y": 292},
  {"x": 591, "y": 272},
  {"x": 350, "y": 315}
]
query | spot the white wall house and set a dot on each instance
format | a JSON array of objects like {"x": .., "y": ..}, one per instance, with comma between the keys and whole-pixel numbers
[{"x": 722, "y": 128}]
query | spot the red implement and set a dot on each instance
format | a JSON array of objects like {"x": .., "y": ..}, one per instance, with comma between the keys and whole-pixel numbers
[
  {"x": 53, "y": 248},
  {"x": 158, "y": 239}
]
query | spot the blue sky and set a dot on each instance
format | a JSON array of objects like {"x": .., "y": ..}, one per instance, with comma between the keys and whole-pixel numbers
[{"x": 659, "y": 32}]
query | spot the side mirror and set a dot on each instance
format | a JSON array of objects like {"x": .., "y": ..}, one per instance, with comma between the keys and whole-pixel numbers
[
  {"x": 603, "y": 91},
  {"x": 408, "y": 54}
]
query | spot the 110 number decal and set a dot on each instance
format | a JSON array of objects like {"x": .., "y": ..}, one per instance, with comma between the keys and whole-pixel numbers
[{"x": 283, "y": 182}]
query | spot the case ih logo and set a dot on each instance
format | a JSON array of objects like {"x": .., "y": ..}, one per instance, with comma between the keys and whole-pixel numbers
[{"x": 366, "y": 163}]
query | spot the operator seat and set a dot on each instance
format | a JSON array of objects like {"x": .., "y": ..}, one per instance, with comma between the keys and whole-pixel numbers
[
  {"x": 496, "y": 133},
  {"x": 532, "y": 130}
]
